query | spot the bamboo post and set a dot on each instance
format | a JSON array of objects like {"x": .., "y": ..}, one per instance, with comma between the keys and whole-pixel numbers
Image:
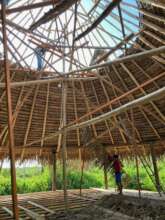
[
  {"x": 146, "y": 167},
  {"x": 10, "y": 117},
  {"x": 64, "y": 96},
  {"x": 63, "y": 141},
  {"x": 82, "y": 169},
  {"x": 105, "y": 168},
  {"x": 54, "y": 170},
  {"x": 156, "y": 172},
  {"x": 135, "y": 153},
  {"x": 105, "y": 176}
]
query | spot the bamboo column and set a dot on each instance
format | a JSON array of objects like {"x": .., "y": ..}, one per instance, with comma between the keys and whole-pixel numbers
[
  {"x": 105, "y": 176},
  {"x": 156, "y": 172},
  {"x": 64, "y": 150},
  {"x": 135, "y": 153},
  {"x": 105, "y": 168},
  {"x": 54, "y": 170},
  {"x": 9, "y": 114},
  {"x": 82, "y": 169},
  {"x": 64, "y": 122}
]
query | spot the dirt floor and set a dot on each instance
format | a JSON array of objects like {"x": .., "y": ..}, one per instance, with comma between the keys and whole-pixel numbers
[
  {"x": 94, "y": 204},
  {"x": 116, "y": 207}
]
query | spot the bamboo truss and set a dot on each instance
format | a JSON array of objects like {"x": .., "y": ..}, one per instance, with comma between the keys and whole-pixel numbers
[
  {"x": 100, "y": 76},
  {"x": 92, "y": 76}
]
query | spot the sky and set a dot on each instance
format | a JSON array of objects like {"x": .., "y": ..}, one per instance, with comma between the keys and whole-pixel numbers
[
  {"x": 22, "y": 50},
  {"x": 30, "y": 163}
]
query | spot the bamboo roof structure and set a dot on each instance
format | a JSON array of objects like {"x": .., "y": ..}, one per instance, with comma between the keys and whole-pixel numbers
[{"x": 108, "y": 55}]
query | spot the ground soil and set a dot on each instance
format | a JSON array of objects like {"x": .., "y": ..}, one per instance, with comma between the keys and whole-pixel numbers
[
  {"x": 144, "y": 208},
  {"x": 115, "y": 207}
]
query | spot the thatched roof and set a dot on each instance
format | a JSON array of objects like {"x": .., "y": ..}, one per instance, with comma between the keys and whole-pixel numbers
[{"x": 37, "y": 106}]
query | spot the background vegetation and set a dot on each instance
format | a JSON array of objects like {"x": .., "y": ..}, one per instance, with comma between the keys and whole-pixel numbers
[{"x": 35, "y": 179}]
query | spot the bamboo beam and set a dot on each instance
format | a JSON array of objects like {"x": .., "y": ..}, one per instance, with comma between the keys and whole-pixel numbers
[
  {"x": 76, "y": 114},
  {"x": 153, "y": 26},
  {"x": 88, "y": 107},
  {"x": 41, "y": 207},
  {"x": 32, "y": 214},
  {"x": 10, "y": 117},
  {"x": 122, "y": 96},
  {"x": 118, "y": 46},
  {"x": 130, "y": 97},
  {"x": 119, "y": 60},
  {"x": 142, "y": 90},
  {"x": 105, "y": 13},
  {"x": 140, "y": 101},
  {"x": 154, "y": 4},
  {"x": 73, "y": 38},
  {"x": 153, "y": 16},
  {"x": 146, "y": 53},
  {"x": 119, "y": 102},
  {"x": 156, "y": 37},
  {"x": 156, "y": 172},
  {"x": 45, "y": 113},
  {"x": 148, "y": 44},
  {"x": 106, "y": 122},
  {"x": 108, "y": 99},
  {"x": 53, "y": 13},
  {"x": 51, "y": 80},
  {"x": 122, "y": 24},
  {"x": 132, "y": 104},
  {"x": 30, "y": 6},
  {"x": 96, "y": 3}
]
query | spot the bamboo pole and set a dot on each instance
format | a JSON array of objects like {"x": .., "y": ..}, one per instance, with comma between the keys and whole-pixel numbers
[
  {"x": 147, "y": 169},
  {"x": 64, "y": 150},
  {"x": 132, "y": 104},
  {"x": 64, "y": 145},
  {"x": 140, "y": 55},
  {"x": 105, "y": 177},
  {"x": 135, "y": 153},
  {"x": 54, "y": 170},
  {"x": 10, "y": 117},
  {"x": 104, "y": 14},
  {"x": 109, "y": 63},
  {"x": 30, "y": 6},
  {"x": 156, "y": 172},
  {"x": 82, "y": 169},
  {"x": 105, "y": 169},
  {"x": 51, "y": 80}
]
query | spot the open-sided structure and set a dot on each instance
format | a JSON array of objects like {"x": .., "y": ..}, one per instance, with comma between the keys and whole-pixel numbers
[{"x": 81, "y": 75}]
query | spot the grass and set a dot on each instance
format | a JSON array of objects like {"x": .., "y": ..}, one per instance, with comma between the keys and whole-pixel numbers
[{"x": 37, "y": 179}]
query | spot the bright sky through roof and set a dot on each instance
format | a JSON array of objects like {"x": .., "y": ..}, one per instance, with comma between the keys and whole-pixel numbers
[{"x": 107, "y": 34}]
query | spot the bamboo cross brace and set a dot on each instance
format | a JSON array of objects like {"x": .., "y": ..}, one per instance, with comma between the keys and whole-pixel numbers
[{"x": 137, "y": 102}]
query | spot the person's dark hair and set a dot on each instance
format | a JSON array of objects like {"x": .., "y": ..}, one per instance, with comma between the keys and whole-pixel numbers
[{"x": 115, "y": 156}]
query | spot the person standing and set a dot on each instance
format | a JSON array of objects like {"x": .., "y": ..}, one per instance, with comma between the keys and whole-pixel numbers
[{"x": 117, "y": 167}]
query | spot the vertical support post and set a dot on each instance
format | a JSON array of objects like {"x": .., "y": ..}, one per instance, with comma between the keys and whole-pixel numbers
[
  {"x": 135, "y": 153},
  {"x": 82, "y": 169},
  {"x": 64, "y": 97},
  {"x": 138, "y": 176},
  {"x": 105, "y": 177},
  {"x": 105, "y": 168},
  {"x": 54, "y": 170},
  {"x": 9, "y": 114},
  {"x": 64, "y": 150},
  {"x": 156, "y": 172}
]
